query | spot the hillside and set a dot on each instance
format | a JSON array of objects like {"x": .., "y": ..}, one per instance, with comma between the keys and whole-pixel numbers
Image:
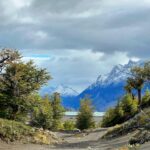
[
  {"x": 138, "y": 126},
  {"x": 12, "y": 131}
]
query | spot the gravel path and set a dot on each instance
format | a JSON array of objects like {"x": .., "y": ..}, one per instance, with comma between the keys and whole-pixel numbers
[{"x": 83, "y": 141}]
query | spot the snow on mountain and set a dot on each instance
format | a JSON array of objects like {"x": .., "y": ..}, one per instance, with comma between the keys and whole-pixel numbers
[
  {"x": 107, "y": 89},
  {"x": 118, "y": 74},
  {"x": 64, "y": 90},
  {"x": 104, "y": 92}
]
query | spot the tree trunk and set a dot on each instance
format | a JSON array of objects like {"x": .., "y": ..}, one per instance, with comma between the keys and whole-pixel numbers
[{"x": 133, "y": 96}]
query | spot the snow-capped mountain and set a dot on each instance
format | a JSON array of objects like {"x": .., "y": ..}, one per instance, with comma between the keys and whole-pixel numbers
[
  {"x": 104, "y": 92},
  {"x": 118, "y": 74},
  {"x": 64, "y": 90},
  {"x": 107, "y": 89}
]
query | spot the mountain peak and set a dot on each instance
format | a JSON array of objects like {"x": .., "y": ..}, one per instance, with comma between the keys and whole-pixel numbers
[
  {"x": 108, "y": 88},
  {"x": 117, "y": 74},
  {"x": 62, "y": 89},
  {"x": 65, "y": 90}
]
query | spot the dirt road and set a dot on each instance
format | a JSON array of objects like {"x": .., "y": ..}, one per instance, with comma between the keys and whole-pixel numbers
[{"x": 83, "y": 141}]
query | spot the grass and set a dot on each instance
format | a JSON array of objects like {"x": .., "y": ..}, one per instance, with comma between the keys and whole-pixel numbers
[{"x": 11, "y": 131}]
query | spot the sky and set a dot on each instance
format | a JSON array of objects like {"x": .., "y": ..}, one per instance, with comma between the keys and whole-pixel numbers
[{"x": 76, "y": 40}]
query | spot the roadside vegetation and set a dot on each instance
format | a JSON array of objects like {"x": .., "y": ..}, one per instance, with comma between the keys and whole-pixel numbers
[
  {"x": 24, "y": 114},
  {"x": 132, "y": 113},
  {"x": 85, "y": 116},
  {"x": 28, "y": 117},
  {"x": 20, "y": 104},
  {"x": 11, "y": 131}
]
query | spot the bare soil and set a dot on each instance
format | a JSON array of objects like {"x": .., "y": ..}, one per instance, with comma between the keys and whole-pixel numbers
[{"x": 90, "y": 140}]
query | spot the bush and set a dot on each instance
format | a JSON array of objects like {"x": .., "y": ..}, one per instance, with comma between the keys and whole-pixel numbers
[
  {"x": 42, "y": 115},
  {"x": 138, "y": 121},
  {"x": 123, "y": 111},
  {"x": 85, "y": 116},
  {"x": 11, "y": 131},
  {"x": 58, "y": 111},
  {"x": 69, "y": 125},
  {"x": 129, "y": 106},
  {"x": 146, "y": 99}
]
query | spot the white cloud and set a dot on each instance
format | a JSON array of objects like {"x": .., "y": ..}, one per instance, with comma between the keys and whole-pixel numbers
[
  {"x": 76, "y": 68},
  {"x": 82, "y": 38}
]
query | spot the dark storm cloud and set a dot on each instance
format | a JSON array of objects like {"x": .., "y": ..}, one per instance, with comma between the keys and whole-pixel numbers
[{"x": 101, "y": 25}]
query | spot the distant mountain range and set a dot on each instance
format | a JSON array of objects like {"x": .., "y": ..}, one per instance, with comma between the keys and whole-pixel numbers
[
  {"x": 107, "y": 89},
  {"x": 104, "y": 93},
  {"x": 64, "y": 90}
]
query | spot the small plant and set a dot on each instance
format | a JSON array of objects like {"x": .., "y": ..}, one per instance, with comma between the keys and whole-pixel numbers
[{"x": 69, "y": 125}]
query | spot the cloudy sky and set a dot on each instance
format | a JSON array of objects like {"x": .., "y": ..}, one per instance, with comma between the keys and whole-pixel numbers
[{"x": 76, "y": 40}]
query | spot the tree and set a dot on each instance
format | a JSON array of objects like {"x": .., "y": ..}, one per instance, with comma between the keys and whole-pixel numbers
[
  {"x": 7, "y": 56},
  {"x": 128, "y": 88},
  {"x": 18, "y": 81},
  {"x": 58, "y": 110},
  {"x": 85, "y": 116},
  {"x": 147, "y": 71},
  {"x": 137, "y": 81}
]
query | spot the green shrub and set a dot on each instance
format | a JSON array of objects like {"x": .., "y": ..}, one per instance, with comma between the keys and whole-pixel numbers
[
  {"x": 146, "y": 99},
  {"x": 123, "y": 111},
  {"x": 11, "y": 131},
  {"x": 85, "y": 116},
  {"x": 138, "y": 121},
  {"x": 42, "y": 115},
  {"x": 58, "y": 111},
  {"x": 69, "y": 125}
]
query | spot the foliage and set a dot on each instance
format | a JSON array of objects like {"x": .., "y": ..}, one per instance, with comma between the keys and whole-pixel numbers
[
  {"x": 12, "y": 131},
  {"x": 123, "y": 111},
  {"x": 146, "y": 99},
  {"x": 137, "y": 122},
  {"x": 129, "y": 106},
  {"x": 139, "y": 77},
  {"x": 58, "y": 110},
  {"x": 85, "y": 116},
  {"x": 17, "y": 81},
  {"x": 69, "y": 125},
  {"x": 8, "y": 56},
  {"x": 42, "y": 115}
]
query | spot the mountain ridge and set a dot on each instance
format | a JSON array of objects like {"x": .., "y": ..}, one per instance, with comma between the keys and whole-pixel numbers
[
  {"x": 104, "y": 92},
  {"x": 107, "y": 89},
  {"x": 64, "y": 90}
]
